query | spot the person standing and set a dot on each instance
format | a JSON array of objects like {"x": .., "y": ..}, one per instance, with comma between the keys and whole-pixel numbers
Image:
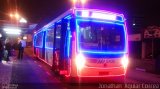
[
  {"x": 1, "y": 50},
  {"x": 21, "y": 46},
  {"x": 7, "y": 49}
]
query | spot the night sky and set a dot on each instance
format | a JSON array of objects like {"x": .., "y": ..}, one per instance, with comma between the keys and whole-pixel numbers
[{"x": 142, "y": 12}]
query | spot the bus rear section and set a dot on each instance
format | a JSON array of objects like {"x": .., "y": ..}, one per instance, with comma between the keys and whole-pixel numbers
[{"x": 100, "y": 45}]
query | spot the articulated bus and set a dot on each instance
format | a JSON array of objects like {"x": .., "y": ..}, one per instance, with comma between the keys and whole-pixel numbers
[{"x": 84, "y": 43}]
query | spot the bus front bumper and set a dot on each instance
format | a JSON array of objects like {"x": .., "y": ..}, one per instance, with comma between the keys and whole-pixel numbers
[{"x": 101, "y": 72}]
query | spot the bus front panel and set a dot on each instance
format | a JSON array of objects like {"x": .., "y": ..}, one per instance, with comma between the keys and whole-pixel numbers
[{"x": 101, "y": 48}]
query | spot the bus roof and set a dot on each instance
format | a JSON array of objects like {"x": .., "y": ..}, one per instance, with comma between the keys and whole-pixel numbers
[{"x": 84, "y": 13}]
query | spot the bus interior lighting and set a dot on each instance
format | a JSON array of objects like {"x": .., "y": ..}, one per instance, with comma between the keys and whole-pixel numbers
[
  {"x": 110, "y": 52},
  {"x": 49, "y": 48},
  {"x": 59, "y": 21}
]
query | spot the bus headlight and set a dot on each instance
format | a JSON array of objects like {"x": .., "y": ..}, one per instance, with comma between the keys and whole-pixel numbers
[
  {"x": 124, "y": 61},
  {"x": 80, "y": 61}
]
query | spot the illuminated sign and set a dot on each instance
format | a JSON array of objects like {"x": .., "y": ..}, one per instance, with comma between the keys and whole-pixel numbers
[
  {"x": 99, "y": 15},
  {"x": 104, "y": 16}
]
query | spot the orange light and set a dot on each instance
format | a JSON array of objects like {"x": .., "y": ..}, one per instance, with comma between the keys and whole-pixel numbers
[
  {"x": 11, "y": 15},
  {"x": 80, "y": 61},
  {"x": 83, "y": 1},
  {"x": 17, "y": 15},
  {"x": 74, "y": 1}
]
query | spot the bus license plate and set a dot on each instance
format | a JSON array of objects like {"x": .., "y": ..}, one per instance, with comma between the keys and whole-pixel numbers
[{"x": 103, "y": 73}]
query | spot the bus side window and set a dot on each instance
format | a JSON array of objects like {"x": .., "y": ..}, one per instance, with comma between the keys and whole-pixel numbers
[
  {"x": 39, "y": 40},
  {"x": 58, "y": 37},
  {"x": 49, "y": 37},
  {"x": 34, "y": 40}
]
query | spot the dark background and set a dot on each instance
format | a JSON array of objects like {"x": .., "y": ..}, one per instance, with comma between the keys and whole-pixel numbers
[{"x": 141, "y": 12}]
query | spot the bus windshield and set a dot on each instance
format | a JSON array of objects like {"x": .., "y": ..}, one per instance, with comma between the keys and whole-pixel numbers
[{"x": 101, "y": 37}]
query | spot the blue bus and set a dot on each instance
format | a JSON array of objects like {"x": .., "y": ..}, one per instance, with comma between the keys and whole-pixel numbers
[{"x": 84, "y": 43}]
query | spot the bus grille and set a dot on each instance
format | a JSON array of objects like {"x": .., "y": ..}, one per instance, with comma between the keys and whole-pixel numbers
[{"x": 103, "y": 62}]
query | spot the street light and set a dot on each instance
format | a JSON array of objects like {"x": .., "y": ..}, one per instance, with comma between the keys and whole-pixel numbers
[
  {"x": 83, "y": 1},
  {"x": 16, "y": 15},
  {"x": 74, "y": 1},
  {"x": 18, "y": 18},
  {"x": 78, "y": 3},
  {"x": 22, "y": 20},
  {"x": 12, "y": 30},
  {"x": 11, "y": 15}
]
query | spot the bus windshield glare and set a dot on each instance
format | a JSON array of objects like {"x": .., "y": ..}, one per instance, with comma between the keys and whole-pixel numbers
[{"x": 101, "y": 37}]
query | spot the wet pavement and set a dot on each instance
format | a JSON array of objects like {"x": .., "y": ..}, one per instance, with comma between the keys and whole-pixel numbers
[
  {"x": 31, "y": 73},
  {"x": 27, "y": 74}
]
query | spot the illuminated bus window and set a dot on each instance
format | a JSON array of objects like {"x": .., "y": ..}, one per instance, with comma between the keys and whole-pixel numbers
[
  {"x": 49, "y": 38},
  {"x": 34, "y": 40},
  {"x": 58, "y": 36},
  {"x": 39, "y": 39},
  {"x": 101, "y": 37}
]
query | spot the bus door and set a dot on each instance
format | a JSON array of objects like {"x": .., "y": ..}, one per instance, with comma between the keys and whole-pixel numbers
[
  {"x": 57, "y": 46},
  {"x": 61, "y": 45},
  {"x": 49, "y": 41},
  {"x": 67, "y": 47}
]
